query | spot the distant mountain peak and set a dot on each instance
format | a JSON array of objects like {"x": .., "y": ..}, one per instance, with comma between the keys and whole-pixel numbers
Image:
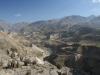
[
  {"x": 6, "y": 26},
  {"x": 96, "y": 19},
  {"x": 91, "y": 17}
]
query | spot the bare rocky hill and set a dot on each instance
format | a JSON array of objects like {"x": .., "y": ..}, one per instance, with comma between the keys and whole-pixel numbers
[
  {"x": 6, "y": 26},
  {"x": 18, "y": 26}
]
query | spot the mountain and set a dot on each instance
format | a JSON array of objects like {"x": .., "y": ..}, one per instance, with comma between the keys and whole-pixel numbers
[
  {"x": 75, "y": 18},
  {"x": 62, "y": 23},
  {"x": 91, "y": 17},
  {"x": 94, "y": 23},
  {"x": 17, "y": 26},
  {"x": 96, "y": 19},
  {"x": 55, "y": 24},
  {"x": 6, "y": 26}
]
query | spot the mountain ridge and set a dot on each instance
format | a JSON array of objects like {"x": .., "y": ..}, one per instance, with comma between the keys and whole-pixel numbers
[{"x": 64, "y": 22}]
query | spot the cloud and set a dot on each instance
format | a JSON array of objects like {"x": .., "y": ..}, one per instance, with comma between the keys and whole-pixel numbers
[
  {"x": 17, "y": 15},
  {"x": 95, "y": 1},
  {"x": 94, "y": 9}
]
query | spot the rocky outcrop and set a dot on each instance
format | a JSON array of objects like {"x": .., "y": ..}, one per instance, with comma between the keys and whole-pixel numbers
[
  {"x": 86, "y": 59},
  {"x": 54, "y": 36}
]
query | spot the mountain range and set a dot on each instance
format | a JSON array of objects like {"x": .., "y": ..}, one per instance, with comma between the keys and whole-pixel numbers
[{"x": 65, "y": 22}]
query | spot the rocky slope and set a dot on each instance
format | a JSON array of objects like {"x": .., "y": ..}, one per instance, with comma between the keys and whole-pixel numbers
[
  {"x": 18, "y": 26},
  {"x": 13, "y": 52},
  {"x": 55, "y": 24},
  {"x": 5, "y": 25},
  {"x": 78, "y": 57}
]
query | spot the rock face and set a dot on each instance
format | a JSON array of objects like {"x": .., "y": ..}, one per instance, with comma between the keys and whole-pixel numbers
[
  {"x": 54, "y": 36},
  {"x": 39, "y": 61},
  {"x": 96, "y": 70},
  {"x": 86, "y": 58}
]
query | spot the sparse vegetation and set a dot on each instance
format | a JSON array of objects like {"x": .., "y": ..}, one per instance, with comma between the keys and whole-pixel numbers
[
  {"x": 9, "y": 64},
  {"x": 28, "y": 72},
  {"x": 26, "y": 62},
  {"x": 34, "y": 62},
  {"x": 38, "y": 53},
  {"x": 13, "y": 64},
  {"x": 42, "y": 70},
  {"x": 7, "y": 51},
  {"x": 59, "y": 61},
  {"x": 13, "y": 49},
  {"x": 12, "y": 55},
  {"x": 21, "y": 58},
  {"x": 98, "y": 45},
  {"x": 75, "y": 45},
  {"x": 1, "y": 63},
  {"x": 17, "y": 65}
]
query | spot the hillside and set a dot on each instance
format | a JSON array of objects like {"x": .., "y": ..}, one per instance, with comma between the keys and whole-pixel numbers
[
  {"x": 55, "y": 23},
  {"x": 18, "y": 26},
  {"x": 13, "y": 52},
  {"x": 6, "y": 26}
]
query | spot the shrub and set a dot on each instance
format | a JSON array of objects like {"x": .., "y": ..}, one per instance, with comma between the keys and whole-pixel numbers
[
  {"x": 12, "y": 55},
  {"x": 34, "y": 62},
  {"x": 1, "y": 63},
  {"x": 21, "y": 58},
  {"x": 26, "y": 62},
  {"x": 42, "y": 70},
  {"x": 75, "y": 45},
  {"x": 59, "y": 61},
  {"x": 7, "y": 51},
  {"x": 9, "y": 64},
  {"x": 37, "y": 53},
  {"x": 17, "y": 65},
  {"x": 28, "y": 72},
  {"x": 13, "y": 49},
  {"x": 13, "y": 64}
]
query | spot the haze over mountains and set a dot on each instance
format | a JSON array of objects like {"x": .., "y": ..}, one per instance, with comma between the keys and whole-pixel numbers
[
  {"x": 5, "y": 25},
  {"x": 62, "y": 22}
]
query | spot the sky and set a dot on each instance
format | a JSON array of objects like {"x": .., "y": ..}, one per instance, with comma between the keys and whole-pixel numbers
[{"x": 15, "y": 11}]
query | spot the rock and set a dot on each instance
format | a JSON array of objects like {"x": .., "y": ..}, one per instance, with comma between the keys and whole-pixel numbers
[
  {"x": 10, "y": 72},
  {"x": 78, "y": 60},
  {"x": 54, "y": 36},
  {"x": 92, "y": 62},
  {"x": 96, "y": 70},
  {"x": 39, "y": 61},
  {"x": 21, "y": 63},
  {"x": 65, "y": 70},
  {"x": 80, "y": 50},
  {"x": 53, "y": 72},
  {"x": 26, "y": 67},
  {"x": 15, "y": 53}
]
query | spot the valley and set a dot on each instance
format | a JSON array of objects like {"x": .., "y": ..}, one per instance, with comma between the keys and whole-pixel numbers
[{"x": 65, "y": 46}]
